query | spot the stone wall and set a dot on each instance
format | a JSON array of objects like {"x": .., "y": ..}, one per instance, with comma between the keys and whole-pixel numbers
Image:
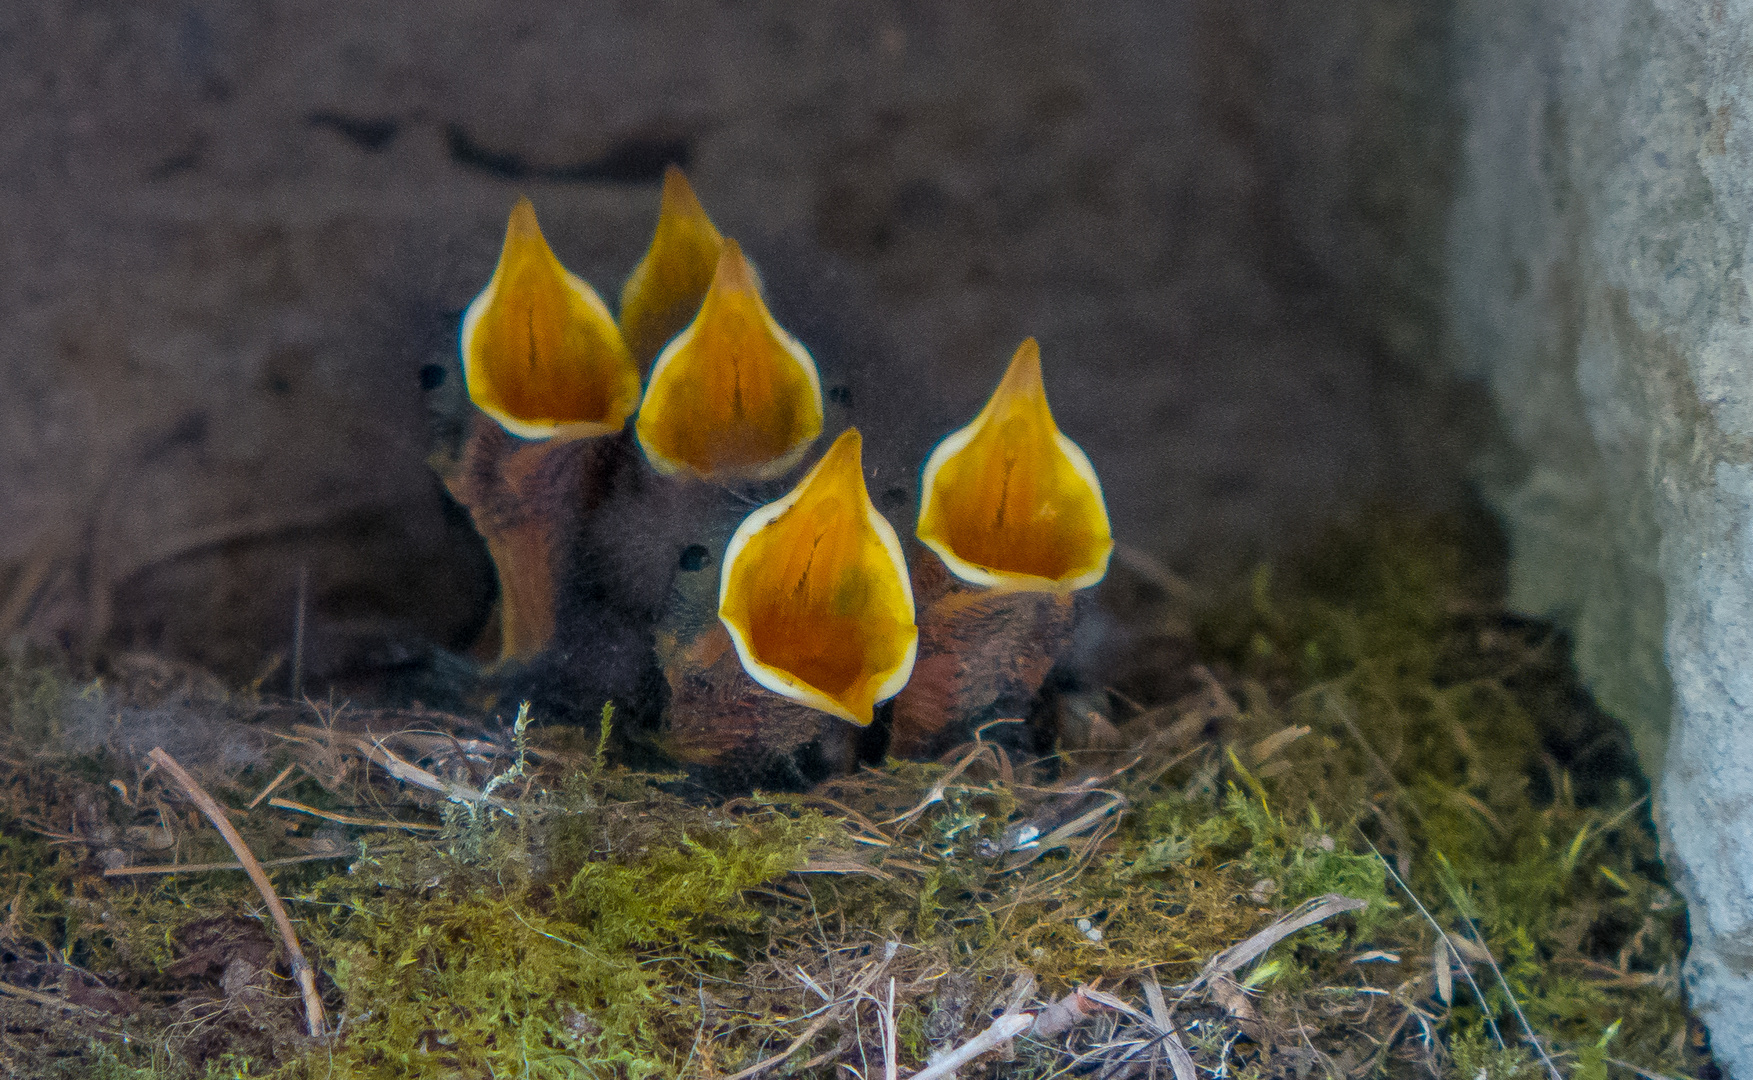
[{"x": 1596, "y": 253}]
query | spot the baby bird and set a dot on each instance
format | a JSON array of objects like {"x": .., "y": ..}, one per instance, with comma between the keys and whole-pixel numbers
[
  {"x": 733, "y": 397},
  {"x": 1012, "y": 513},
  {"x": 663, "y": 293},
  {"x": 551, "y": 376},
  {"x": 814, "y": 627},
  {"x": 732, "y": 406},
  {"x": 773, "y": 665}
]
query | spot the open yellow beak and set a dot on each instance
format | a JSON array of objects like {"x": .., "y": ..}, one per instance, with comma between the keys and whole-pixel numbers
[
  {"x": 666, "y": 288},
  {"x": 815, "y": 595},
  {"x": 541, "y": 354},
  {"x": 1008, "y": 501},
  {"x": 733, "y": 396}
]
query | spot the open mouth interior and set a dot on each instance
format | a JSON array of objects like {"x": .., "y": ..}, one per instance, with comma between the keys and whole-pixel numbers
[{"x": 815, "y": 593}]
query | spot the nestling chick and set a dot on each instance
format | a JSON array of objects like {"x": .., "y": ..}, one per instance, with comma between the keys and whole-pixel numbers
[
  {"x": 663, "y": 294},
  {"x": 814, "y": 627},
  {"x": 755, "y": 651},
  {"x": 546, "y": 367},
  {"x": 1012, "y": 510}
]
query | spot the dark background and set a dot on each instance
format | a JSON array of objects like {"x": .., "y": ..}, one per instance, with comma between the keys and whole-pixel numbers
[{"x": 232, "y": 234}]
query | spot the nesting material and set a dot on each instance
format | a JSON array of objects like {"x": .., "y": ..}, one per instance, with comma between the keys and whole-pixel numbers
[{"x": 1202, "y": 896}]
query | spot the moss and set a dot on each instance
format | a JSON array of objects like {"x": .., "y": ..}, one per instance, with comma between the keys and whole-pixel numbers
[
  {"x": 1438, "y": 734},
  {"x": 549, "y": 946},
  {"x": 611, "y": 927}
]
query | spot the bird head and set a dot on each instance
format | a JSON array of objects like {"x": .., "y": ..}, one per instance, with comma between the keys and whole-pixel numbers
[
  {"x": 1009, "y": 501},
  {"x": 541, "y": 354},
  {"x": 664, "y": 292},
  {"x": 814, "y": 593},
  {"x": 733, "y": 396}
]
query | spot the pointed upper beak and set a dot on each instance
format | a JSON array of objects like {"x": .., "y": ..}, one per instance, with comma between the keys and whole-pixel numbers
[
  {"x": 664, "y": 291},
  {"x": 1009, "y": 501},
  {"x": 814, "y": 592},
  {"x": 733, "y": 396},
  {"x": 541, "y": 353}
]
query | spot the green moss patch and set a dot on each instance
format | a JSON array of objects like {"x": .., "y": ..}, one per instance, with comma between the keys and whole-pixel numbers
[{"x": 1364, "y": 723}]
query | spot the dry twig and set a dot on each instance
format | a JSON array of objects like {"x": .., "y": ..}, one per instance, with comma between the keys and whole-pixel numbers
[
  {"x": 272, "y": 784},
  {"x": 1305, "y": 914},
  {"x": 1003, "y": 1029},
  {"x": 301, "y": 969},
  {"x": 410, "y": 773},
  {"x": 37, "y": 997},
  {"x": 971, "y": 753}
]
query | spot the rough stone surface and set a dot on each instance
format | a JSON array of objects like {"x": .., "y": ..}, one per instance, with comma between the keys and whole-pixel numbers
[
  {"x": 234, "y": 231},
  {"x": 1597, "y": 249}
]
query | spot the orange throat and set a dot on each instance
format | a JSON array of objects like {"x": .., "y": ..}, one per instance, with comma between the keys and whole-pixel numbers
[
  {"x": 541, "y": 354},
  {"x": 815, "y": 593},
  {"x": 1010, "y": 502}
]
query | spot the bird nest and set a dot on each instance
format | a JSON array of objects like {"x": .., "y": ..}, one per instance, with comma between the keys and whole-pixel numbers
[{"x": 1343, "y": 820}]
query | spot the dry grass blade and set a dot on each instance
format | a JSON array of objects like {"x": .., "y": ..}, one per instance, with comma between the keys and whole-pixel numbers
[
  {"x": 1638, "y": 1069},
  {"x": 301, "y": 969},
  {"x": 349, "y": 819},
  {"x": 1030, "y": 850},
  {"x": 971, "y": 753},
  {"x": 1266, "y": 748},
  {"x": 797, "y": 1044},
  {"x": 1305, "y": 914},
  {"x": 1442, "y": 935},
  {"x": 860, "y": 988},
  {"x": 886, "y": 1017},
  {"x": 1020, "y": 992},
  {"x": 873, "y": 835},
  {"x": 1119, "y": 1005},
  {"x": 1153, "y": 998},
  {"x": 47, "y": 1001},
  {"x": 201, "y": 868},
  {"x": 842, "y": 866},
  {"x": 1003, "y": 1029},
  {"x": 410, "y": 773},
  {"x": 272, "y": 784},
  {"x": 1179, "y": 1059},
  {"x": 804, "y": 977},
  {"x": 1516, "y": 1007}
]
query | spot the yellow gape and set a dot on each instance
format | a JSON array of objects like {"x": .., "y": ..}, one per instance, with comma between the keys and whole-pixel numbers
[
  {"x": 815, "y": 594},
  {"x": 733, "y": 397},
  {"x": 664, "y": 292},
  {"x": 1008, "y": 501},
  {"x": 541, "y": 353}
]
